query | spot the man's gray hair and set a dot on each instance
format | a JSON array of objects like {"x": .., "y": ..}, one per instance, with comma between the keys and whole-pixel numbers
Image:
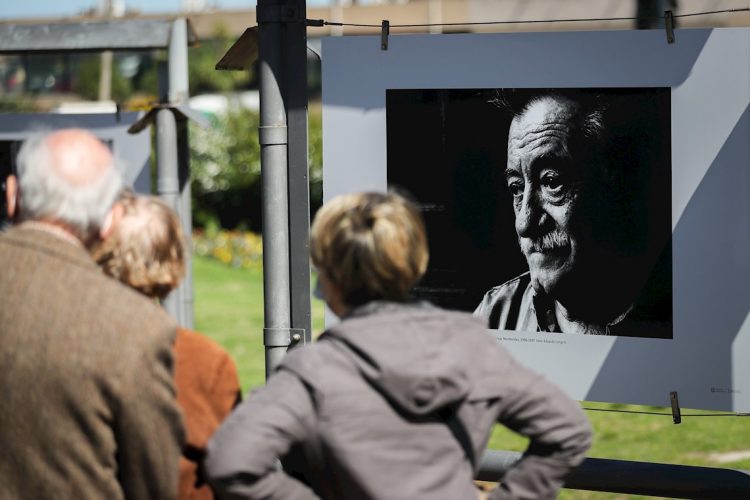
[
  {"x": 46, "y": 194},
  {"x": 590, "y": 119}
]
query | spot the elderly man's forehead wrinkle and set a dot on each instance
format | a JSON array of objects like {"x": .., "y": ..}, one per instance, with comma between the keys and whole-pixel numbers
[
  {"x": 541, "y": 136},
  {"x": 538, "y": 128}
]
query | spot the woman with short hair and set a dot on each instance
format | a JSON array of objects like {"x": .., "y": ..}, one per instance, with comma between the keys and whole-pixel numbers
[
  {"x": 398, "y": 399},
  {"x": 146, "y": 251}
]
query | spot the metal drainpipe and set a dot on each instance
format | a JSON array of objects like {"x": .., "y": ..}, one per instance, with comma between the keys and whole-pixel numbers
[
  {"x": 186, "y": 213},
  {"x": 177, "y": 94},
  {"x": 167, "y": 185},
  {"x": 274, "y": 185}
]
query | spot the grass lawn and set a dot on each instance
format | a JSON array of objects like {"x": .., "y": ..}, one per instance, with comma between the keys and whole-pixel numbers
[{"x": 229, "y": 308}]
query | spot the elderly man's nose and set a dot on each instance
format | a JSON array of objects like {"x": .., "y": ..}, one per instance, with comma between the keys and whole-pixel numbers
[{"x": 529, "y": 215}]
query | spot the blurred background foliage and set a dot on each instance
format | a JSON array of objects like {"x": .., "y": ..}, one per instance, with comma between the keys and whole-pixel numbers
[
  {"x": 224, "y": 158},
  {"x": 86, "y": 83},
  {"x": 202, "y": 65},
  {"x": 225, "y": 167}
]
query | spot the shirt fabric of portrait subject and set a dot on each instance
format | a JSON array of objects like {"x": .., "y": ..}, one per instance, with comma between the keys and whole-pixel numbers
[{"x": 515, "y": 305}]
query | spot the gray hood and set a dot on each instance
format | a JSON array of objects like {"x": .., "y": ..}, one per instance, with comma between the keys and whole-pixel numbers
[{"x": 414, "y": 354}]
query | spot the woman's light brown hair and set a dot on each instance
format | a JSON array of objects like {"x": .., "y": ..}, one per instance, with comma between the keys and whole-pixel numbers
[
  {"x": 146, "y": 250},
  {"x": 372, "y": 246}
]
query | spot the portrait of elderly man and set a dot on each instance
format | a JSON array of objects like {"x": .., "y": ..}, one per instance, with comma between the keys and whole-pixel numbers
[{"x": 588, "y": 174}]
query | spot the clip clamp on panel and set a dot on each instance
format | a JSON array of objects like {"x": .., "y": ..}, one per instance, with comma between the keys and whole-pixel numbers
[
  {"x": 385, "y": 29},
  {"x": 669, "y": 25},
  {"x": 676, "y": 415}
]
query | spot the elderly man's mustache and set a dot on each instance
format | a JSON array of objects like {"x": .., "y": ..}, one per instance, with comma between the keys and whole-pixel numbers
[{"x": 545, "y": 243}]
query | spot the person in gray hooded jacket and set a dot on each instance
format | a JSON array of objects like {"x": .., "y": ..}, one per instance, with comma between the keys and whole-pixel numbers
[{"x": 396, "y": 401}]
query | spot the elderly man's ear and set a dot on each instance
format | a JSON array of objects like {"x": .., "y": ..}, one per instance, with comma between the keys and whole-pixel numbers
[
  {"x": 110, "y": 222},
  {"x": 11, "y": 195}
]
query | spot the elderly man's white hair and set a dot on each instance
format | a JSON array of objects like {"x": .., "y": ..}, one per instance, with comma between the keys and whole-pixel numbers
[{"x": 69, "y": 177}]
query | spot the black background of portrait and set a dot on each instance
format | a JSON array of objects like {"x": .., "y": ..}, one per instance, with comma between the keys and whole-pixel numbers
[{"x": 447, "y": 149}]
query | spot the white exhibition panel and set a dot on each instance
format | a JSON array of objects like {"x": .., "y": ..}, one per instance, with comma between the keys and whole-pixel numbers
[{"x": 706, "y": 361}]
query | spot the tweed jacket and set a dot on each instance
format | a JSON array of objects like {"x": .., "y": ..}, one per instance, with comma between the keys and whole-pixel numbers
[
  {"x": 396, "y": 402},
  {"x": 207, "y": 389},
  {"x": 88, "y": 408}
]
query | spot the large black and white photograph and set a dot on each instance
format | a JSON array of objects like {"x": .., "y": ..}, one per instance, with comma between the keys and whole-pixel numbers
[
  {"x": 585, "y": 195},
  {"x": 547, "y": 209}
]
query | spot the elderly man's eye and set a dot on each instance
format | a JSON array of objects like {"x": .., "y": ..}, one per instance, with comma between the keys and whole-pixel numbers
[
  {"x": 515, "y": 187},
  {"x": 552, "y": 183}
]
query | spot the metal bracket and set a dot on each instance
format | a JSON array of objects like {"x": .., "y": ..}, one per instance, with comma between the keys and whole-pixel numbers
[
  {"x": 676, "y": 415},
  {"x": 271, "y": 135},
  {"x": 181, "y": 111},
  {"x": 669, "y": 25},
  {"x": 242, "y": 54},
  {"x": 266, "y": 14},
  {"x": 282, "y": 337}
]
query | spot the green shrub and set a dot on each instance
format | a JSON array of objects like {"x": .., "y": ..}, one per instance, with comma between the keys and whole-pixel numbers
[{"x": 225, "y": 169}]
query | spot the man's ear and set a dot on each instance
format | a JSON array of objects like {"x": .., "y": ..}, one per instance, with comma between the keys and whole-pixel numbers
[
  {"x": 110, "y": 222},
  {"x": 11, "y": 195}
]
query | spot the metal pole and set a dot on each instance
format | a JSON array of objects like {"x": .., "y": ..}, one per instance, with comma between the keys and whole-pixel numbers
[
  {"x": 649, "y": 13},
  {"x": 167, "y": 185},
  {"x": 105, "y": 70},
  {"x": 177, "y": 94},
  {"x": 635, "y": 478},
  {"x": 274, "y": 185},
  {"x": 295, "y": 93},
  {"x": 186, "y": 212},
  {"x": 178, "y": 63}
]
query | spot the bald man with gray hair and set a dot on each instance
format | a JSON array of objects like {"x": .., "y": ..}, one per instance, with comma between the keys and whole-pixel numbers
[
  {"x": 73, "y": 187},
  {"x": 88, "y": 404}
]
